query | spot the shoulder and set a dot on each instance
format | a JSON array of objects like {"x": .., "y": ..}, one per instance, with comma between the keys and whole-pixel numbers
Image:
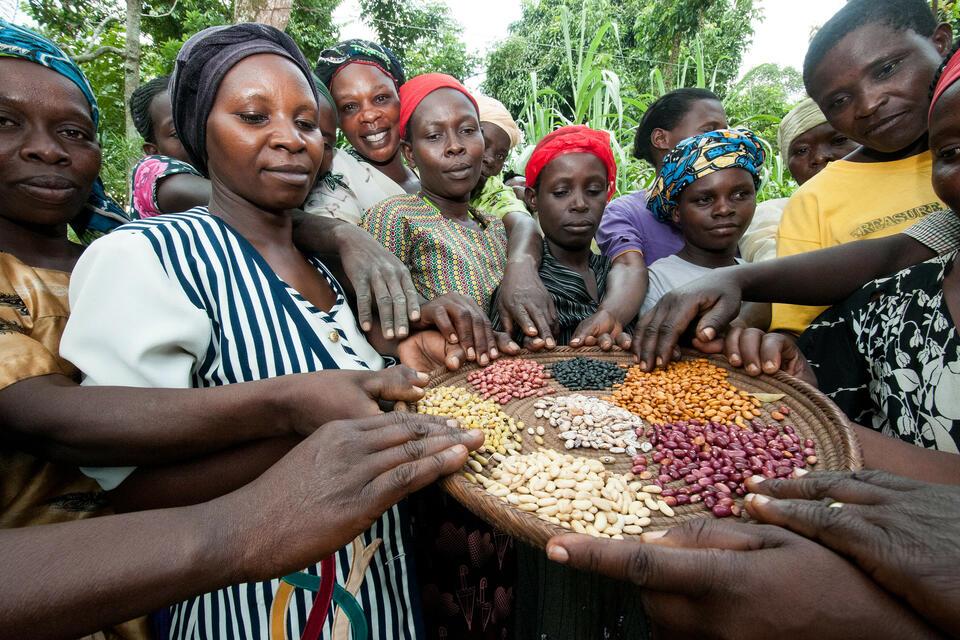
[{"x": 633, "y": 204}]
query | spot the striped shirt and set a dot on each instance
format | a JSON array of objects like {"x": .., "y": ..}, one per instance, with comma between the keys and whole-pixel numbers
[
  {"x": 193, "y": 304},
  {"x": 572, "y": 299},
  {"x": 441, "y": 254}
]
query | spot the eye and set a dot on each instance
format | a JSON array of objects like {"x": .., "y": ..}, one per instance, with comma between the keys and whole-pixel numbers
[
  {"x": 500, "y": 157},
  {"x": 468, "y": 131},
  {"x": 252, "y": 118},
  {"x": 380, "y": 99},
  {"x": 7, "y": 122},
  {"x": 839, "y": 141},
  {"x": 73, "y": 133},
  {"x": 703, "y": 200},
  {"x": 887, "y": 69},
  {"x": 836, "y": 103},
  {"x": 307, "y": 125},
  {"x": 559, "y": 193},
  {"x": 800, "y": 151},
  {"x": 433, "y": 137},
  {"x": 350, "y": 107},
  {"x": 949, "y": 153}
]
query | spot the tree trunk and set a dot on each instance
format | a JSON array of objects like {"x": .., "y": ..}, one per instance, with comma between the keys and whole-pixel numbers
[
  {"x": 131, "y": 63},
  {"x": 275, "y": 13}
]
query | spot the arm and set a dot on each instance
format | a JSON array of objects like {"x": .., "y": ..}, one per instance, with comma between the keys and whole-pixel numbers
[
  {"x": 375, "y": 274},
  {"x": 67, "y": 580},
  {"x": 626, "y": 288},
  {"x": 895, "y": 456},
  {"x": 182, "y": 192},
  {"x": 523, "y": 300}
]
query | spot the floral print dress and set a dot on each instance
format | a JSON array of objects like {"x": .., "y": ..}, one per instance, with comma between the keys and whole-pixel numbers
[
  {"x": 145, "y": 179},
  {"x": 890, "y": 357}
]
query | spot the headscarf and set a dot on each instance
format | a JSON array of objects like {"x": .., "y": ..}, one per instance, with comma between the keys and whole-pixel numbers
[
  {"x": 802, "y": 118},
  {"x": 333, "y": 60},
  {"x": 417, "y": 88},
  {"x": 701, "y": 156},
  {"x": 493, "y": 111},
  {"x": 204, "y": 61},
  {"x": 101, "y": 214},
  {"x": 949, "y": 75},
  {"x": 573, "y": 139}
]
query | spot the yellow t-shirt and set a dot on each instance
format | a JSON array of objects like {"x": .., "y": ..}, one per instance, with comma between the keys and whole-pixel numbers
[{"x": 850, "y": 201}]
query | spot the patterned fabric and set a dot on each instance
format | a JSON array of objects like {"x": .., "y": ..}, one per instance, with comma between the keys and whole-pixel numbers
[
  {"x": 497, "y": 199},
  {"x": 145, "y": 182},
  {"x": 210, "y": 311},
  {"x": 949, "y": 75},
  {"x": 101, "y": 214},
  {"x": 570, "y": 295},
  {"x": 356, "y": 51},
  {"x": 572, "y": 139},
  {"x": 890, "y": 357},
  {"x": 359, "y": 186},
  {"x": 33, "y": 312},
  {"x": 939, "y": 231},
  {"x": 441, "y": 254},
  {"x": 700, "y": 156}
]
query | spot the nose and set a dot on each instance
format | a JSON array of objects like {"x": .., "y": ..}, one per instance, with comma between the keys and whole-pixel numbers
[
  {"x": 369, "y": 113},
  {"x": 456, "y": 147},
  {"x": 822, "y": 155},
  {"x": 287, "y": 135},
  {"x": 41, "y": 146},
  {"x": 724, "y": 207},
  {"x": 869, "y": 101},
  {"x": 579, "y": 201}
]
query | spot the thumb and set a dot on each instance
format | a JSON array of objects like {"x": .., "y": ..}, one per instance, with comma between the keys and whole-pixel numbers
[
  {"x": 400, "y": 383},
  {"x": 718, "y": 317}
]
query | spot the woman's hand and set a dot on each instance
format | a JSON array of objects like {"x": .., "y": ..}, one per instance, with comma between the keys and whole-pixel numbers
[
  {"x": 463, "y": 322},
  {"x": 760, "y": 352},
  {"x": 429, "y": 350},
  {"x": 601, "y": 329},
  {"x": 333, "y": 486},
  {"x": 903, "y": 533},
  {"x": 715, "y": 579},
  {"x": 525, "y": 303}
]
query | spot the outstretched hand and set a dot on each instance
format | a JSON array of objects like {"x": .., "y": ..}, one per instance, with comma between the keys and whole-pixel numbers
[
  {"x": 463, "y": 322},
  {"x": 524, "y": 302},
  {"x": 715, "y": 579},
  {"x": 601, "y": 329},
  {"x": 903, "y": 533},
  {"x": 760, "y": 352}
]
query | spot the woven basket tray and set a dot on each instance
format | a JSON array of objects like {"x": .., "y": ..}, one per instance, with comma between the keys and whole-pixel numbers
[{"x": 811, "y": 414}]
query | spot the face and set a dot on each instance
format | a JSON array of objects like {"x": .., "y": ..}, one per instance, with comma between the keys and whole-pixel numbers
[
  {"x": 369, "y": 111},
  {"x": 703, "y": 116},
  {"x": 873, "y": 85},
  {"x": 168, "y": 142},
  {"x": 445, "y": 145},
  {"x": 263, "y": 138},
  {"x": 715, "y": 210},
  {"x": 328, "y": 128},
  {"x": 945, "y": 146},
  {"x": 812, "y": 150},
  {"x": 49, "y": 154},
  {"x": 496, "y": 146},
  {"x": 570, "y": 198}
]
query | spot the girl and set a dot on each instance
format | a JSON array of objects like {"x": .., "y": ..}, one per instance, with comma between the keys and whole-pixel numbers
[{"x": 220, "y": 295}]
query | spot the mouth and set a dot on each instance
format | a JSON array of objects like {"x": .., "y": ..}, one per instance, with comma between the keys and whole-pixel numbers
[
  {"x": 460, "y": 171},
  {"x": 376, "y": 138},
  {"x": 724, "y": 229},
  {"x": 885, "y": 125},
  {"x": 51, "y": 189},
  {"x": 293, "y": 174},
  {"x": 580, "y": 227}
]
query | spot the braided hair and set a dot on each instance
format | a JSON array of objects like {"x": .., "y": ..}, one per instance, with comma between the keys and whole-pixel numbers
[
  {"x": 943, "y": 65},
  {"x": 140, "y": 102}
]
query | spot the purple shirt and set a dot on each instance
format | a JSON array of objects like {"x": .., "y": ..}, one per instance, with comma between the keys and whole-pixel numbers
[{"x": 628, "y": 225}]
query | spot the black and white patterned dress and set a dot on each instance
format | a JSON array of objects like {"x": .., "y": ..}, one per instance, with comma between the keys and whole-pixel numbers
[
  {"x": 889, "y": 356},
  {"x": 195, "y": 305}
]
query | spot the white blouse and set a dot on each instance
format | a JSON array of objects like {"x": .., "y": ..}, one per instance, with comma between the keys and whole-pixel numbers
[{"x": 362, "y": 187}]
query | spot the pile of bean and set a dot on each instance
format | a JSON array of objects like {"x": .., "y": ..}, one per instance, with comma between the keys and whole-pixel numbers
[
  {"x": 575, "y": 493},
  {"x": 686, "y": 390},
  {"x": 502, "y": 433},
  {"x": 579, "y": 374},
  {"x": 588, "y": 422},
  {"x": 509, "y": 379},
  {"x": 713, "y": 460}
]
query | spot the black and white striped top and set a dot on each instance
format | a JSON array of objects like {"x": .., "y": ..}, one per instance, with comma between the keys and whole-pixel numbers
[{"x": 185, "y": 301}]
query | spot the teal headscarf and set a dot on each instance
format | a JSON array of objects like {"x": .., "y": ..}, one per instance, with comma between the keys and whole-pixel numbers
[{"x": 101, "y": 214}]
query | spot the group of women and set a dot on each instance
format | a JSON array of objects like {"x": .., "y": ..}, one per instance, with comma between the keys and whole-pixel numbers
[{"x": 212, "y": 364}]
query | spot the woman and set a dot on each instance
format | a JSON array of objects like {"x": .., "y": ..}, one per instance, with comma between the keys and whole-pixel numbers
[
  {"x": 363, "y": 78},
  {"x": 221, "y": 295}
]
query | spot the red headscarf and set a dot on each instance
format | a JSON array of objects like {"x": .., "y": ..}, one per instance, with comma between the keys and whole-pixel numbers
[
  {"x": 414, "y": 90},
  {"x": 950, "y": 74},
  {"x": 573, "y": 139}
]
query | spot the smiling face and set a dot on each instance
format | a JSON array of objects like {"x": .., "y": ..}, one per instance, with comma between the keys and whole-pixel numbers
[
  {"x": 496, "y": 146},
  {"x": 263, "y": 140},
  {"x": 49, "y": 154},
  {"x": 167, "y": 141},
  {"x": 873, "y": 86},
  {"x": 945, "y": 146},
  {"x": 570, "y": 198},
  {"x": 445, "y": 144},
  {"x": 369, "y": 111},
  {"x": 812, "y": 150},
  {"x": 715, "y": 210}
]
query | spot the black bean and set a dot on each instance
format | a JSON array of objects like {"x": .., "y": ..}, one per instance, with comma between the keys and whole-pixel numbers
[{"x": 580, "y": 374}]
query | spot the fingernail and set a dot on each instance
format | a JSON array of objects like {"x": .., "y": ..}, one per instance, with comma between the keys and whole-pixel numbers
[
  {"x": 757, "y": 479},
  {"x": 484, "y": 359},
  {"x": 551, "y": 343},
  {"x": 799, "y": 473},
  {"x": 367, "y": 326},
  {"x": 452, "y": 423},
  {"x": 402, "y": 332},
  {"x": 651, "y": 536},
  {"x": 769, "y": 365},
  {"x": 710, "y": 333},
  {"x": 558, "y": 554},
  {"x": 494, "y": 353},
  {"x": 415, "y": 315},
  {"x": 659, "y": 361},
  {"x": 514, "y": 345},
  {"x": 423, "y": 377},
  {"x": 757, "y": 499},
  {"x": 389, "y": 334},
  {"x": 643, "y": 366},
  {"x": 471, "y": 353},
  {"x": 458, "y": 450},
  {"x": 752, "y": 368},
  {"x": 453, "y": 338}
]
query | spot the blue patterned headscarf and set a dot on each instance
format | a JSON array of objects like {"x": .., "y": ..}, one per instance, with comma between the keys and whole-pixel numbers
[
  {"x": 101, "y": 214},
  {"x": 700, "y": 156}
]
